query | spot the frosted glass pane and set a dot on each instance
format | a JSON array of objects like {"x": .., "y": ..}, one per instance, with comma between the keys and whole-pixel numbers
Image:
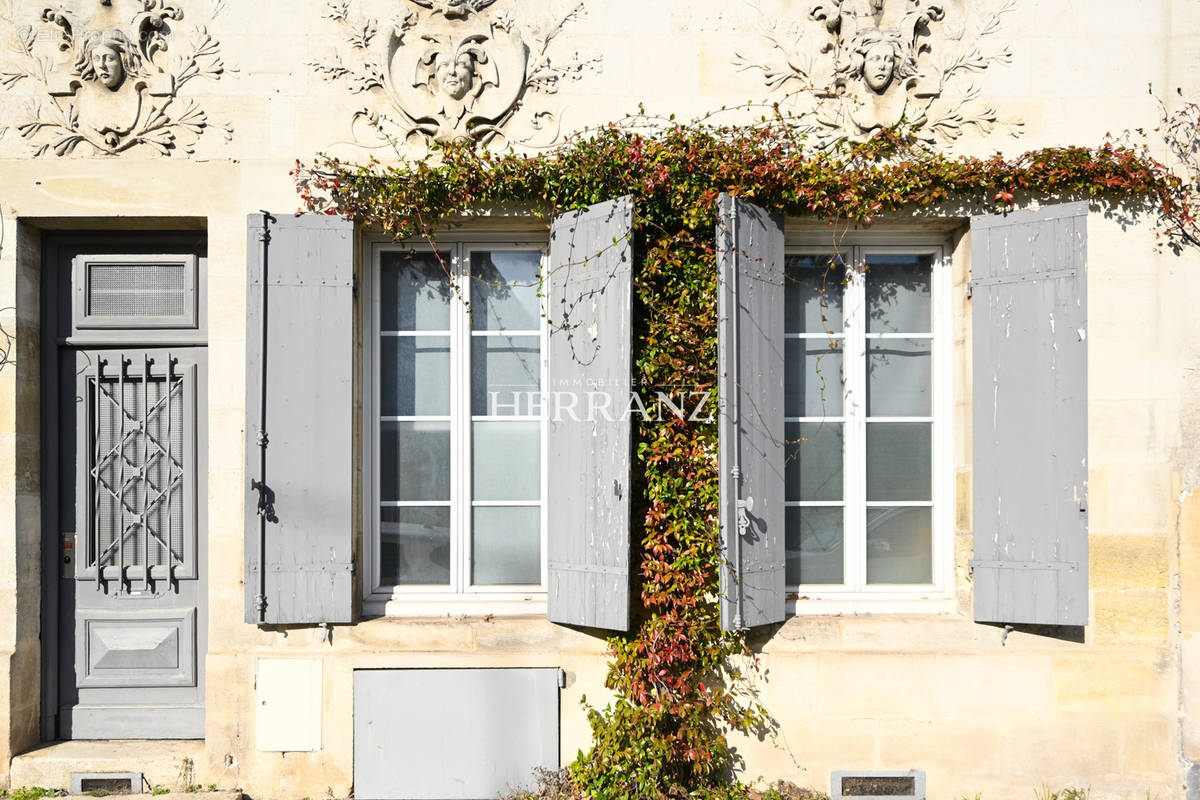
[
  {"x": 813, "y": 294},
  {"x": 504, "y": 292},
  {"x": 898, "y": 293},
  {"x": 415, "y": 292},
  {"x": 507, "y": 460},
  {"x": 414, "y": 375},
  {"x": 414, "y": 460},
  {"x": 899, "y": 465},
  {"x": 812, "y": 378},
  {"x": 899, "y": 545},
  {"x": 814, "y": 539},
  {"x": 505, "y": 370},
  {"x": 898, "y": 377},
  {"x": 414, "y": 546},
  {"x": 813, "y": 455},
  {"x": 506, "y": 545}
]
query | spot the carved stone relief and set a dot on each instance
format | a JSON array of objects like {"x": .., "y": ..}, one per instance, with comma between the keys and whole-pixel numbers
[
  {"x": 102, "y": 77},
  {"x": 853, "y": 67},
  {"x": 445, "y": 71}
]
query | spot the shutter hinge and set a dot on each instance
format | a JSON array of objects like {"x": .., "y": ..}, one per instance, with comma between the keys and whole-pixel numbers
[{"x": 1059, "y": 566}]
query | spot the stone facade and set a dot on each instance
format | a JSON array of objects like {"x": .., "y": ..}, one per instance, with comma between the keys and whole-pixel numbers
[{"x": 934, "y": 691}]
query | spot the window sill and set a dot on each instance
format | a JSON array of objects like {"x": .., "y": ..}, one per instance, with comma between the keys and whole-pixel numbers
[
  {"x": 860, "y": 605},
  {"x": 497, "y": 605}
]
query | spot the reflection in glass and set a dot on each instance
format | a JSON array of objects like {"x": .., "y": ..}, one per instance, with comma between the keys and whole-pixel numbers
[
  {"x": 899, "y": 545},
  {"x": 504, "y": 292},
  {"x": 813, "y": 456},
  {"x": 899, "y": 462},
  {"x": 505, "y": 372},
  {"x": 506, "y": 545},
  {"x": 813, "y": 294},
  {"x": 414, "y": 546},
  {"x": 506, "y": 460},
  {"x": 898, "y": 293},
  {"x": 414, "y": 292},
  {"x": 898, "y": 377},
  {"x": 415, "y": 376},
  {"x": 414, "y": 460},
  {"x": 815, "y": 552},
  {"x": 812, "y": 378}
]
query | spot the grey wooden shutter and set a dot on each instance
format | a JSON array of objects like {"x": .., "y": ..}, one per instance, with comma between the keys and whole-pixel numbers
[
  {"x": 1029, "y": 361},
  {"x": 304, "y": 573},
  {"x": 751, "y": 432},
  {"x": 588, "y": 296}
]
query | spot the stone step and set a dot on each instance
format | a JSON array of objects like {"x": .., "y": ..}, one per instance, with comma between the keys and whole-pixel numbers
[{"x": 162, "y": 763}]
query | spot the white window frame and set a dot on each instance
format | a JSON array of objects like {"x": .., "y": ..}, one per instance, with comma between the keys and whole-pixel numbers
[
  {"x": 460, "y": 597},
  {"x": 856, "y": 596}
]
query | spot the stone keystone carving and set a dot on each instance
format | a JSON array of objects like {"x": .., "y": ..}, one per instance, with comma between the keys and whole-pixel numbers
[
  {"x": 110, "y": 85},
  {"x": 447, "y": 72},
  {"x": 854, "y": 67}
]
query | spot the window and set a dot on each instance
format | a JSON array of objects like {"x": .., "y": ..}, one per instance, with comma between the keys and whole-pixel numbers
[
  {"x": 866, "y": 364},
  {"x": 454, "y": 451}
]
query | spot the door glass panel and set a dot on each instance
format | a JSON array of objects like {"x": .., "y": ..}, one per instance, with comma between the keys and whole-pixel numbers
[
  {"x": 415, "y": 292},
  {"x": 414, "y": 460},
  {"x": 414, "y": 545},
  {"x": 813, "y": 294},
  {"x": 899, "y": 545},
  {"x": 506, "y": 460},
  {"x": 899, "y": 292},
  {"x": 506, "y": 544},
  {"x": 815, "y": 551},
  {"x": 813, "y": 467},
  {"x": 812, "y": 378},
  {"x": 899, "y": 377},
  {"x": 899, "y": 465},
  {"x": 504, "y": 290},
  {"x": 415, "y": 376},
  {"x": 505, "y": 375}
]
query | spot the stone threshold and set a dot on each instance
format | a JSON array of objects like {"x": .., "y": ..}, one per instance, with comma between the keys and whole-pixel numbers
[{"x": 164, "y": 763}]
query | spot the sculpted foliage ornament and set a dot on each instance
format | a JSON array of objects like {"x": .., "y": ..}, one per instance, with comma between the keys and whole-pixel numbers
[
  {"x": 444, "y": 72},
  {"x": 108, "y": 82},
  {"x": 856, "y": 67}
]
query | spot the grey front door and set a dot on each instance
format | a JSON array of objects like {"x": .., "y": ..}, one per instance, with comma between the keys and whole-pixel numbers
[{"x": 132, "y": 612}]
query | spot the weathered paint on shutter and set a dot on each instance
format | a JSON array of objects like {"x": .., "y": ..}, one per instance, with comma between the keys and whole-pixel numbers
[
  {"x": 751, "y": 432},
  {"x": 308, "y": 556},
  {"x": 1029, "y": 310},
  {"x": 588, "y": 295}
]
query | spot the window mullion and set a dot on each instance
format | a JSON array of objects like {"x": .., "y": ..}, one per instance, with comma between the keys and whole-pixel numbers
[
  {"x": 460, "y": 354},
  {"x": 856, "y": 432}
]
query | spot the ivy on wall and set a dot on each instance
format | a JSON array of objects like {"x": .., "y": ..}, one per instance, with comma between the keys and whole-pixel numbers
[{"x": 681, "y": 685}]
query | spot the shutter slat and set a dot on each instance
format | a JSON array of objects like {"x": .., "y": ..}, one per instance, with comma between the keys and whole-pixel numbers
[
  {"x": 589, "y": 295},
  {"x": 1029, "y": 289},
  {"x": 750, "y": 254},
  {"x": 308, "y": 556}
]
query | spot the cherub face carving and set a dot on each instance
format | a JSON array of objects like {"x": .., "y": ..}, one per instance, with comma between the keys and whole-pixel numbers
[
  {"x": 106, "y": 63},
  {"x": 455, "y": 75},
  {"x": 879, "y": 67},
  {"x": 106, "y": 57}
]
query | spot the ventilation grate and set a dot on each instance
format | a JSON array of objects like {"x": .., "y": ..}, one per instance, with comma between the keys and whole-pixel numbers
[
  {"x": 137, "y": 290},
  {"x": 878, "y": 785},
  {"x": 106, "y": 782}
]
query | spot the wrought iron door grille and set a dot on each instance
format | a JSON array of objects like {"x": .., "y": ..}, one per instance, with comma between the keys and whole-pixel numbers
[{"x": 136, "y": 471}]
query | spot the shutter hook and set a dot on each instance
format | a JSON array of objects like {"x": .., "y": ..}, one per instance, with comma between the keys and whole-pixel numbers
[{"x": 744, "y": 507}]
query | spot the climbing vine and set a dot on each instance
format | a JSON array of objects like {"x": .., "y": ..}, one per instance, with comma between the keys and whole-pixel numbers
[{"x": 680, "y": 684}]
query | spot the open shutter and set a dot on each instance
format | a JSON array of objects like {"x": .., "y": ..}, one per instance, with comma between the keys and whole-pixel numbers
[
  {"x": 1029, "y": 313},
  {"x": 303, "y": 573},
  {"x": 588, "y": 296},
  {"x": 750, "y": 368}
]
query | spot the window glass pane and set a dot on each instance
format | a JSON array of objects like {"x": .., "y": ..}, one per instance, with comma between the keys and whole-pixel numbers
[
  {"x": 414, "y": 546},
  {"x": 414, "y": 460},
  {"x": 507, "y": 460},
  {"x": 899, "y": 545},
  {"x": 504, "y": 292},
  {"x": 813, "y": 294},
  {"x": 506, "y": 545},
  {"x": 898, "y": 293},
  {"x": 812, "y": 381},
  {"x": 505, "y": 370},
  {"x": 898, "y": 377},
  {"x": 899, "y": 465},
  {"x": 814, "y": 545},
  {"x": 415, "y": 292},
  {"x": 813, "y": 455},
  {"x": 414, "y": 376}
]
